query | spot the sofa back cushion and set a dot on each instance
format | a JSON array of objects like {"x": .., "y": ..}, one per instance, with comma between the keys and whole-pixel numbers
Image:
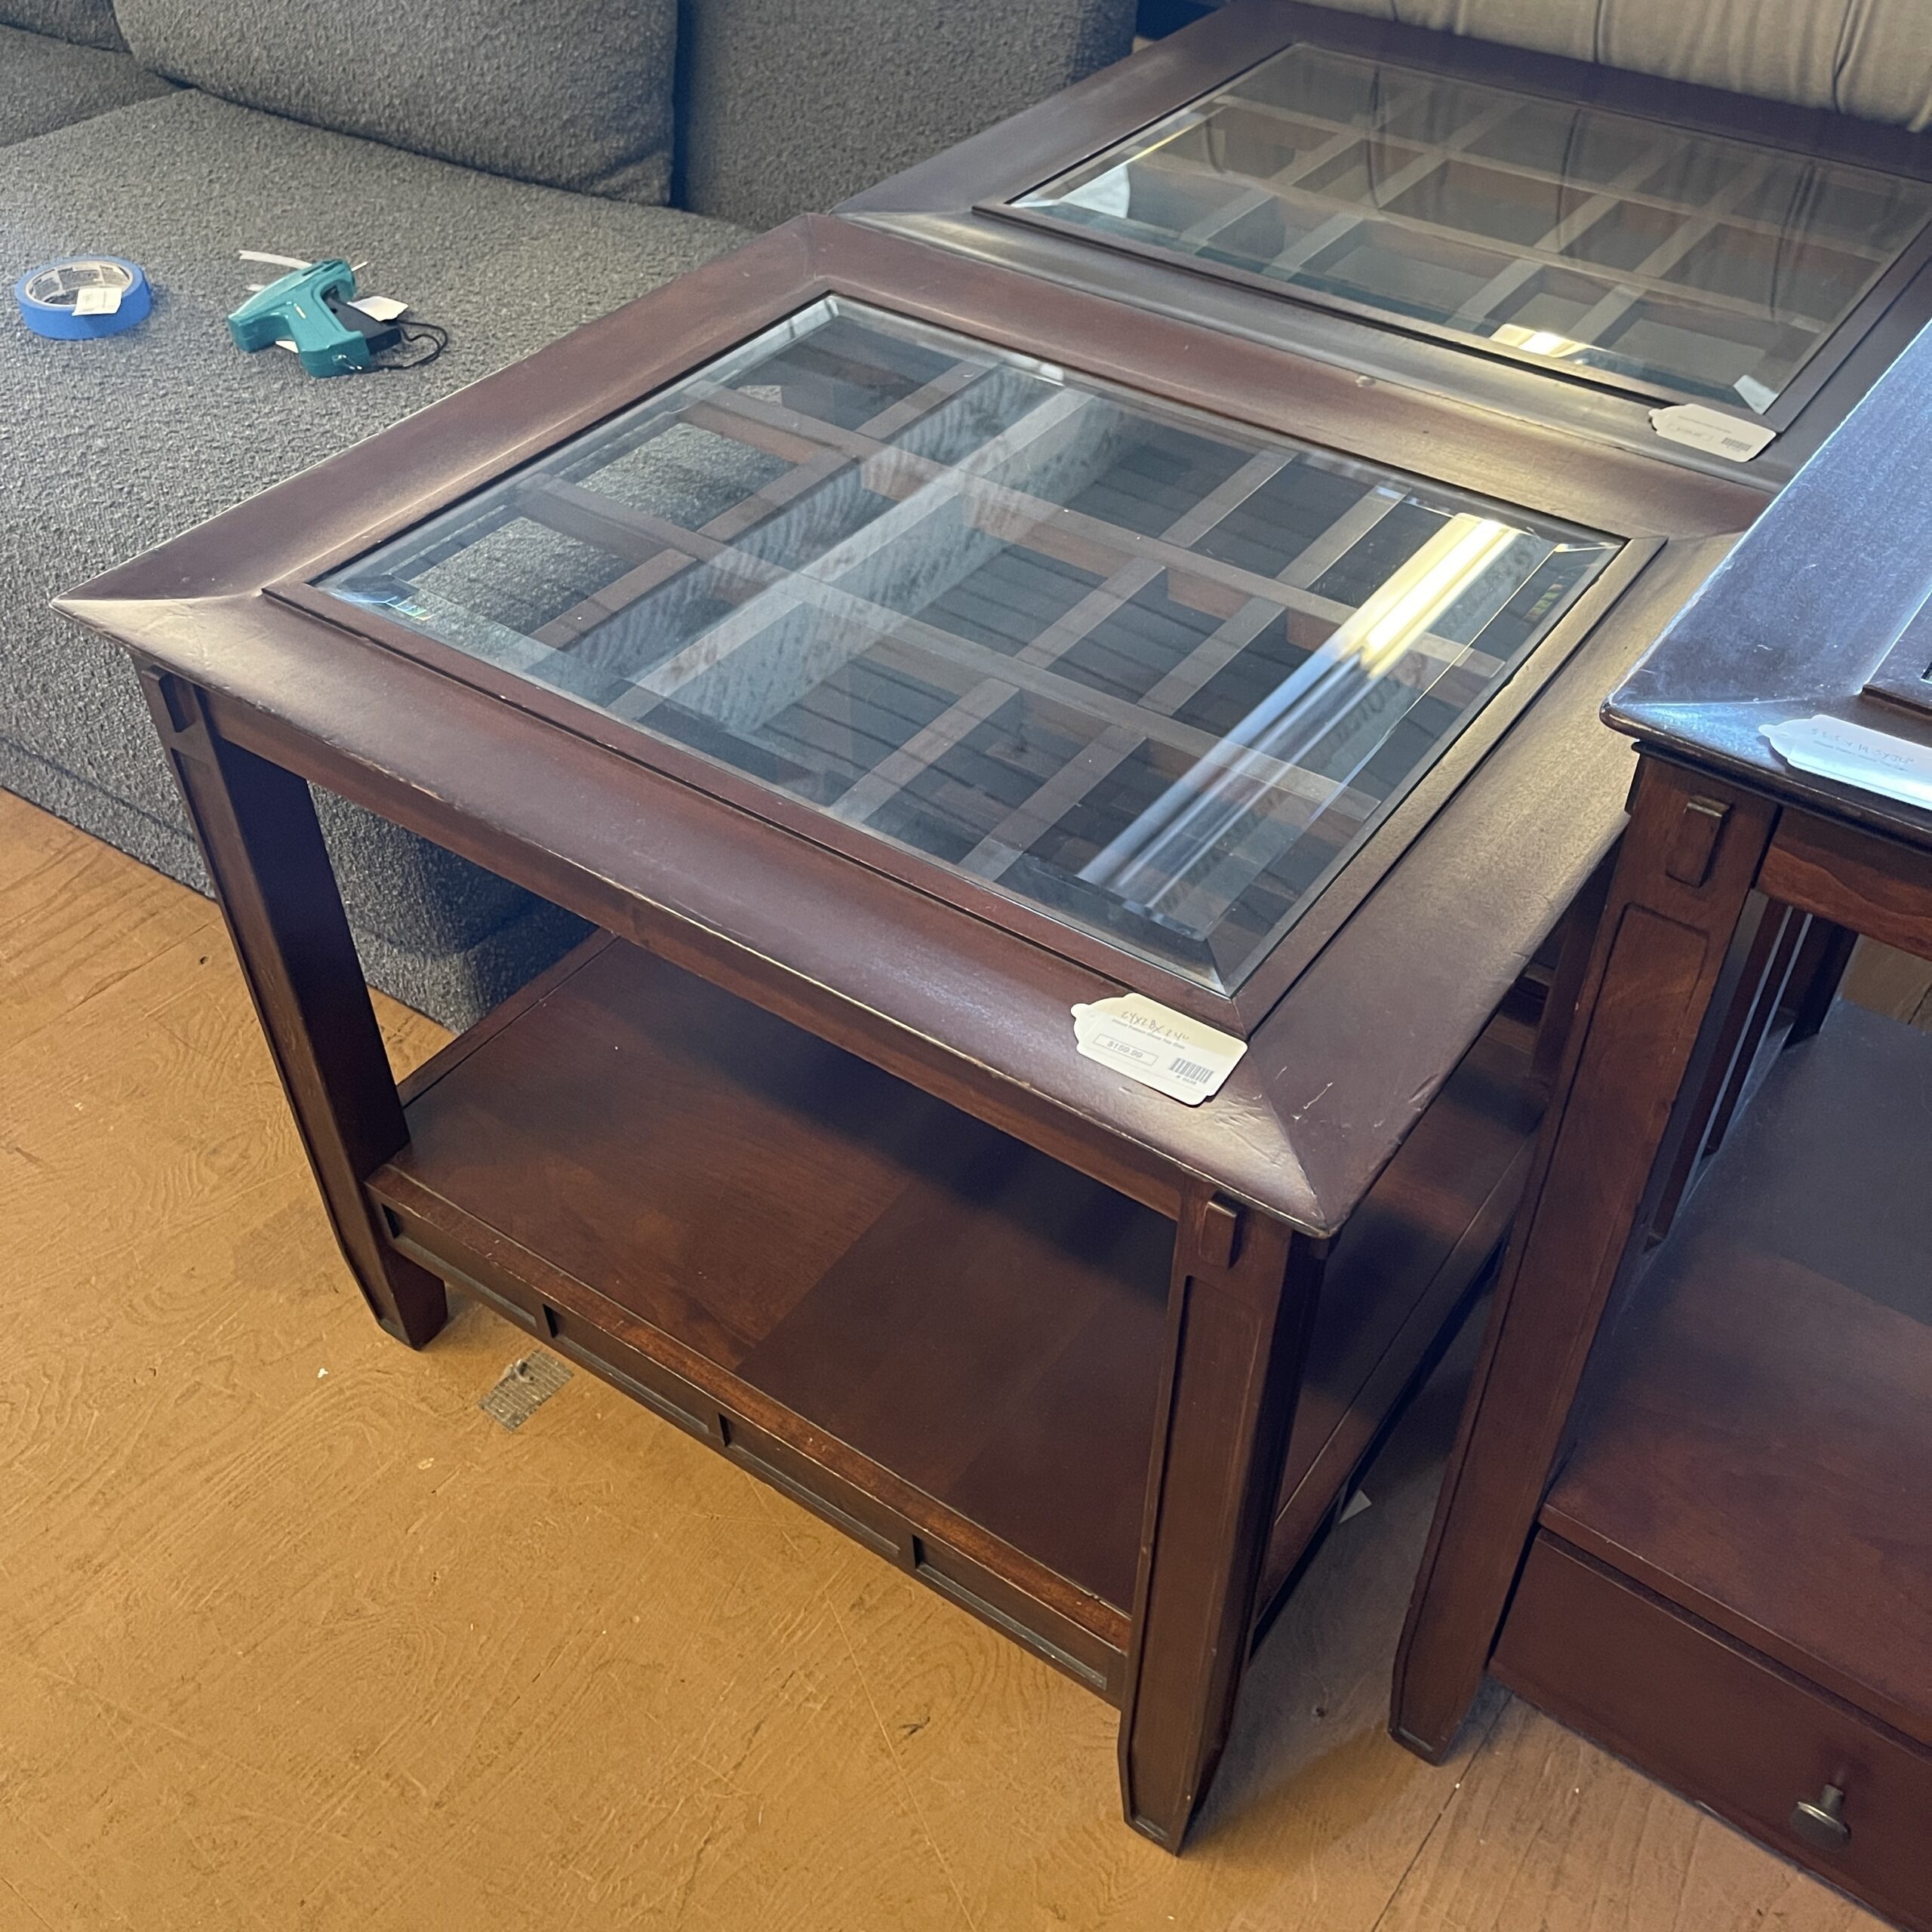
[
  {"x": 1871, "y": 58},
  {"x": 87, "y": 23},
  {"x": 574, "y": 93},
  {"x": 795, "y": 104}
]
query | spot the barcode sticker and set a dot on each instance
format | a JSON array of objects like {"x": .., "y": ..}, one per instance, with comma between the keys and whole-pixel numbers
[
  {"x": 1699, "y": 428},
  {"x": 1159, "y": 1048},
  {"x": 102, "y": 298}
]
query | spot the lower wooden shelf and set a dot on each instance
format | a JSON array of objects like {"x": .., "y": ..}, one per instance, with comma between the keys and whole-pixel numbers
[
  {"x": 1756, "y": 1444},
  {"x": 947, "y": 1343},
  {"x": 1731, "y": 1584}
]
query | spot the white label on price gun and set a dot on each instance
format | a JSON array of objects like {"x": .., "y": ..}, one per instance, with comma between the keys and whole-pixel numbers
[{"x": 1155, "y": 1045}]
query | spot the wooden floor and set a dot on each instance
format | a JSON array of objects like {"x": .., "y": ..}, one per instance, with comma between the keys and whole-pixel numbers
[{"x": 292, "y": 1634}]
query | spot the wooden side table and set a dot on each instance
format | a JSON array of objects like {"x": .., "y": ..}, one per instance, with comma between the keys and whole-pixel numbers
[
  {"x": 890, "y": 654},
  {"x": 1562, "y": 241},
  {"x": 1688, "y": 1512}
]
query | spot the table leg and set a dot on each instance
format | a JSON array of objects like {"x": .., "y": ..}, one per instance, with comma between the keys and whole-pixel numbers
[
  {"x": 1661, "y": 962},
  {"x": 1244, "y": 1292},
  {"x": 1566, "y": 987},
  {"x": 258, "y": 832},
  {"x": 1704, "y": 1114}
]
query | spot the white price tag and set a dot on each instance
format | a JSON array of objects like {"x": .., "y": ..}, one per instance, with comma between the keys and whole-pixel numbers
[
  {"x": 1697, "y": 428},
  {"x": 1154, "y": 1044},
  {"x": 100, "y": 299},
  {"x": 1854, "y": 755}
]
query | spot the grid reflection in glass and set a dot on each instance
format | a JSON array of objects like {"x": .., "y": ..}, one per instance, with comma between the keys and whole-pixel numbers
[
  {"x": 1154, "y": 674},
  {"x": 1689, "y": 262}
]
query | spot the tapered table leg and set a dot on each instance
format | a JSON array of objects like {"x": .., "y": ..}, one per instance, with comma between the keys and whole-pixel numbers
[
  {"x": 1243, "y": 1298},
  {"x": 1662, "y": 960},
  {"x": 258, "y": 832}
]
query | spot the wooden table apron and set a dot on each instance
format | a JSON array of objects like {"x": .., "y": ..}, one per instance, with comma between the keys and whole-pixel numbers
[{"x": 254, "y": 699}]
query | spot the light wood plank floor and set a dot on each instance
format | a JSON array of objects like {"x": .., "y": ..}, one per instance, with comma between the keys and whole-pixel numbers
[{"x": 292, "y": 1635}]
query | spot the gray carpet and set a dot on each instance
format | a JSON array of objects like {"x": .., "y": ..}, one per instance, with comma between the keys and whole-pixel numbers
[
  {"x": 168, "y": 424},
  {"x": 46, "y": 84}
]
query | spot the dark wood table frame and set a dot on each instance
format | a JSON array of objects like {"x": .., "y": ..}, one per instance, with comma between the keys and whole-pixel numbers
[
  {"x": 257, "y": 694},
  {"x": 963, "y": 199},
  {"x": 1749, "y": 1673}
]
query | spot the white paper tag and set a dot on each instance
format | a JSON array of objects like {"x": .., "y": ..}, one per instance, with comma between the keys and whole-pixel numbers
[
  {"x": 1698, "y": 428},
  {"x": 102, "y": 298},
  {"x": 1161, "y": 1048},
  {"x": 1854, "y": 755}
]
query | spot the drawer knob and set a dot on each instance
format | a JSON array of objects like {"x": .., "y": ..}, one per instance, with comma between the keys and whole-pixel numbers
[{"x": 1822, "y": 1825}]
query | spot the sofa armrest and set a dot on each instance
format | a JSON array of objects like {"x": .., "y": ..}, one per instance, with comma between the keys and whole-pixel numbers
[{"x": 785, "y": 106}]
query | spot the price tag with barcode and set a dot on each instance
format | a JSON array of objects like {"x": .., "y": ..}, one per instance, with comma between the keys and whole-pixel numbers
[
  {"x": 1698, "y": 428},
  {"x": 1155, "y": 1045}
]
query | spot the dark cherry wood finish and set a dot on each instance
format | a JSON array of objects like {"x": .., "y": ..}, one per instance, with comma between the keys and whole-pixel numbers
[
  {"x": 258, "y": 832},
  {"x": 1713, "y": 1448},
  {"x": 797, "y": 1150},
  {"x": 962, "y": 199},
  {"x": 1715, "y": 1374},
  {"x": 1708, "y": 1715}
]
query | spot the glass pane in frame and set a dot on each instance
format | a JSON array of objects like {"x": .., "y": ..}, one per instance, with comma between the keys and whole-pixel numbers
[
  {"x": 1155, "y": 675},
  {"x": 1691, "y": 264}
]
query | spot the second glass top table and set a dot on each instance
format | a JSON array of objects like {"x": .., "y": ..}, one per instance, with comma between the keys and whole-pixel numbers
[
  {"x": 1596, "y": 239},
  {"x": 1553, "y": 238}
]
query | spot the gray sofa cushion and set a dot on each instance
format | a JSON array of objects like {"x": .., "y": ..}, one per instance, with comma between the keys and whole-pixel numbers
[
  {"x": 575, "y": 93},
  {"x": 46, "y": 83},
  {"x": 167, "y": 425},
  {"x": 1871, "y": 58},
  {"x": 85, "y": 23},
  {"x": 788, "y": 105}
]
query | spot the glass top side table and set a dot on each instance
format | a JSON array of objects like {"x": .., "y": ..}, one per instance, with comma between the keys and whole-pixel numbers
[
  {"x": 1579, "y": 244},
  {"x": 889, "y": 653},
  {"x": 1687, "y": 1512},
  {"x": 1154, "y": 676}
]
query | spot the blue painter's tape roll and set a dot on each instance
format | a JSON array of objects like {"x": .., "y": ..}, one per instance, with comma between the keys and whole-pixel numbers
[{"x": 90, "y": 296}]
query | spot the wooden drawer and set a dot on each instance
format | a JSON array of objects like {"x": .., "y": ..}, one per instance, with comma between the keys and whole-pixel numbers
[{"x": 1721, "y": 1723}]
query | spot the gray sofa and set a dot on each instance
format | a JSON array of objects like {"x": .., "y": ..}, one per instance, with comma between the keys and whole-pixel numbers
[{"x": 512, "y": 171}]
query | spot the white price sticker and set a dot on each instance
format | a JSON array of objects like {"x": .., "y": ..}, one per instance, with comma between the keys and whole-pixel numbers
[
  {"x": 1854, "y": 755},
  {"x": 98, "y": 299},
  {"x": 1697, "y": 428},
  {"x": 1154, "y": 1044}
]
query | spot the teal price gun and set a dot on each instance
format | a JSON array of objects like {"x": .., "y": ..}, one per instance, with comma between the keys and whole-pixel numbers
[{"x": 313, "y": 308}]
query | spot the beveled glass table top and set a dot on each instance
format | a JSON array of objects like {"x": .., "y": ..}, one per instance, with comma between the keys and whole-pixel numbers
[
  {"x": 1152, "y": 673},
  {"x": 1692, "y": 263}
]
